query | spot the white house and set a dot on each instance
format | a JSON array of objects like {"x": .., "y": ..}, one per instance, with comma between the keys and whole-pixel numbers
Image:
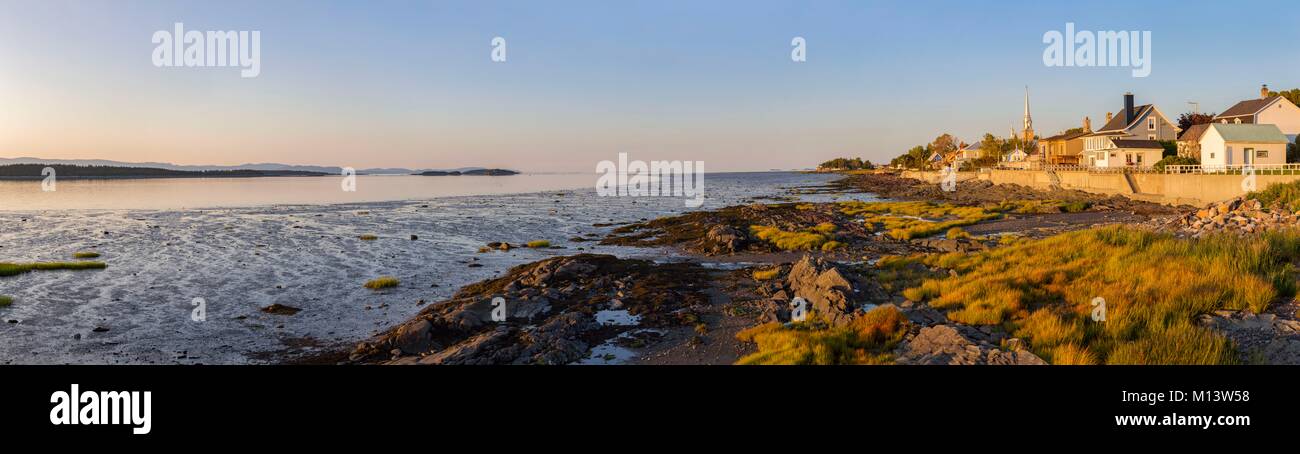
[
  {"x": 1116, "y": 152},
  {"x": 1129, "y": 138},
  {"x": 1266, "y": 110},
  {"x": 1236, "y": 144}
]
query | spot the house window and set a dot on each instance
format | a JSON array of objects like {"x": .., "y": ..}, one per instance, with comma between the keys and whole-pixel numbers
[
  {"x": 1261, "y": 153},
  {"x": 1237, "y": 121},
  {"x": 1211, "y": 155},
  {"x": 1151, "y": 124},
  {"x": 1151, "y": 137}
]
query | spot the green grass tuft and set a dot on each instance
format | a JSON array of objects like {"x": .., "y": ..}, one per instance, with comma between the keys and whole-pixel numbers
[
  {"x": 85, "y": 255},
  {"x": 13, "y": 269},
  {"x": 367, "y": 237},
  {"x": 866, "y": 340},
  {"x": 539, "y": 244},
  {"x": 383, "y": 282},
  {"x": 6, "y": 300}
]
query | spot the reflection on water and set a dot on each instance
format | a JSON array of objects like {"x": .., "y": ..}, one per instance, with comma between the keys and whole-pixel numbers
[{"x": 184, "y": 193}]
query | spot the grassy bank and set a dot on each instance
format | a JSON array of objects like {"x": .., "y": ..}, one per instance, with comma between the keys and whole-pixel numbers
[{"x": 1153, "y": 287}]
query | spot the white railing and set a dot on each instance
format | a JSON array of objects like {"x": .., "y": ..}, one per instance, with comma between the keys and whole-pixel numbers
[{"x": 1236, "y": 169}]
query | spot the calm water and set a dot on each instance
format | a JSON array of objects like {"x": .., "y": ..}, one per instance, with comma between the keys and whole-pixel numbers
[
  {"x": 185, "y": 193},
  {"x": 298, "y": 246}
]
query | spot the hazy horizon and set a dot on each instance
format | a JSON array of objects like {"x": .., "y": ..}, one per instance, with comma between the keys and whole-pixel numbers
[{"x": 394, "y": 84}]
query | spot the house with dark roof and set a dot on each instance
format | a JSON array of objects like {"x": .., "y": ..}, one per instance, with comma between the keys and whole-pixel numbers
[
  {"x": 1267, "y": 110},
  {"x": 1130, "y": 138},
  {"x": 1065, "y": 148},
  {"x": 1232, "y": 144}
]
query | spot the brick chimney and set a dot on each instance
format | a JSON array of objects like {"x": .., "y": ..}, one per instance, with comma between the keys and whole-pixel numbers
[
  {"x": 1263, "y": 92},
  {"x": 1087, "y": 124},
  {"x": 1109, "y": 116}
]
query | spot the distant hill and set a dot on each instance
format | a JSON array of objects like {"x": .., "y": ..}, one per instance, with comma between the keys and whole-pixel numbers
[
  {"x": 274, "y": 167},
  {"x": 34, "y": 171},
  {"x": 475, "y": 172}
]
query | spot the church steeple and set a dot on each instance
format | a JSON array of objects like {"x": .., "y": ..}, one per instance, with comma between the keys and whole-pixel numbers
[{"x": 1028, "y": 134}]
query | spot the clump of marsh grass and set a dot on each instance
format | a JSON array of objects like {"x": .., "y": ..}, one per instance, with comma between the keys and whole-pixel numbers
[
  {"x": 382, "y": 282},
  {"x": 13, "y": 269},
  {"x": 908, "y": 220},
  {"x": 6, "y": 300},
  {"x": 768, "y": 274},
  {"x": 866, "y": 340},
  {"x": 85, "y": 255},
  {"x": 539, "y": 244},
  {"x": 1153, "y": 285},
  {"x": 367, "y": 237},
  {"x": 805, "y": 240}
]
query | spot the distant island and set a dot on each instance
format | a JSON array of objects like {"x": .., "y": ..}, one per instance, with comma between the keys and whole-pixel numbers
[
  {"x": 36, "y": 172},
  {"x": 273, "y": 169},
  {"x": 475, "y": 172}
]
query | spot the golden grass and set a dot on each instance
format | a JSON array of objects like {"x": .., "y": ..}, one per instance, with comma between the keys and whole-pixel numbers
[
  {"x": 539, "y": 244},
  {"x": 806, "y": 240},
  {"x": 367, "y": 237},
  {"x": 85, "y": 255},
  {"x": 383, "y": 282},
  {"x": 12, "y": 269},
  {"x": 908, "y": 220},
  {"x": 768, "y": 274},
  {"x": 866, "y": 340},
  {"x": 957, "y": 233},
  {"x": 1154, "y": 286}
]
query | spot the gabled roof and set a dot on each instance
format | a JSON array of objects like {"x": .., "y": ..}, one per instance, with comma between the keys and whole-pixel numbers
[
  {"x": 1248, "y": 107},
  {"x": 1119, "y": 123},
  {"x": 1136, "y": 143},
  {"x": 1070, "y": 136},
  {"x": 1250, "y": 133},
  {"x": 1194, "y": 132}
]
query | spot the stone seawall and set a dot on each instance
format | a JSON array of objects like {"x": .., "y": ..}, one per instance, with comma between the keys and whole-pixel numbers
[{"x": 1172, "y": 189}]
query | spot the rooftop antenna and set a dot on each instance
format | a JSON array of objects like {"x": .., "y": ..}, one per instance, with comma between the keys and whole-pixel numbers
[{"x": 1196, "y": 106}]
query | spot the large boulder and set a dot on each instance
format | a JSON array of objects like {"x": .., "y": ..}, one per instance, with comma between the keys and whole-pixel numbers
[
  {"x": 822, "y": 284},
  {"x": 722, "y": 239}
]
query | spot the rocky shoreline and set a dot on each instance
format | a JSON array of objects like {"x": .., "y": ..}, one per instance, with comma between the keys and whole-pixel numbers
[{"x": 601, "y": 309}]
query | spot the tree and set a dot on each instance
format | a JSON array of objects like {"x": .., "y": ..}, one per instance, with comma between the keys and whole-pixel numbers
[
  {"x": 1171, "y": 148},
  {"x": 846, "y": 164},
  {"x": 1292, "y": 95},
  {"x": 944, "y": 144},
  {"x": 1292, "y": 152},
  {"x": 1190, "y": 119}
]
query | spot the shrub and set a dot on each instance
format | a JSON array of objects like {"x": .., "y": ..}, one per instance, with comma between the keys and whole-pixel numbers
[
  {"x": 1286, "y": 195},
  {"x": 383, "y": 282}
]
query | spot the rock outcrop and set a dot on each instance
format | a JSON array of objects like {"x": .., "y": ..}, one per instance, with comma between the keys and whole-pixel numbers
[
  {"x": 960, "y": 345},
  {"x": 549, "y": 310}
]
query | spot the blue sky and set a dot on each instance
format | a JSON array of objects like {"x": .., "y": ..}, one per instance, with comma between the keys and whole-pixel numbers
[{"x": 404, "y": 83}]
